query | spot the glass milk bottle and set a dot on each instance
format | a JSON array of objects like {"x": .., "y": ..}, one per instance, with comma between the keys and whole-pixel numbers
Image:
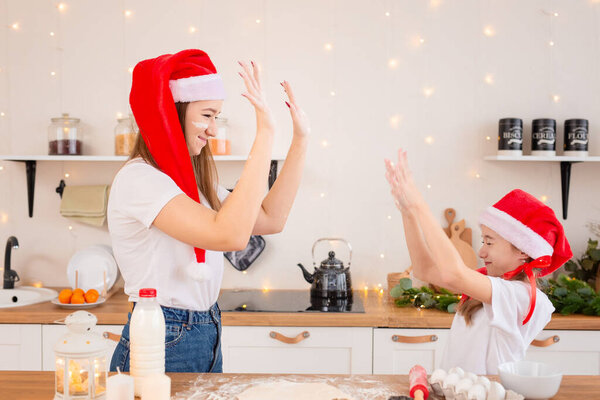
[{"x": 147, "y": 334}]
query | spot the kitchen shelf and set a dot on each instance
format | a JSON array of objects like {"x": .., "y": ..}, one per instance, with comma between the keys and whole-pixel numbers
[
  {"x": 31, "y": 165},
  {"x": 565, "y": 170}
]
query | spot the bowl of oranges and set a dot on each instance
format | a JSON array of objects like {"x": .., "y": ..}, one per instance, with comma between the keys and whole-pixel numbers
[{"x": 78, "y": 298}]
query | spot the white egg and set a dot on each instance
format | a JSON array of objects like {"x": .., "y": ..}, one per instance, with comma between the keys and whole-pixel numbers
[
  {"x": 450, "y": 381},
  {"x": 485, "y": 382},
  {"x": 476, "y": 392},
  {"x": 496, "y": 391},
  {"x": 438, "y": 376},
  {"x": 457, "y": 370},
  {"x": 471, "y": 376},
  {"x": 463, "y": 386}
]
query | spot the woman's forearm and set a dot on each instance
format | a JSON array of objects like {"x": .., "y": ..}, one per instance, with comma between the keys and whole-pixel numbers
[
  {"x": 278, "y": 202},
  {"x": 241, "y": 209}
]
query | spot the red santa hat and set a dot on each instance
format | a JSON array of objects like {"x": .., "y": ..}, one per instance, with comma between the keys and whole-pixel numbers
[
  {"x": 157, "y": 84},
  {"x": 532, "y": 227}
]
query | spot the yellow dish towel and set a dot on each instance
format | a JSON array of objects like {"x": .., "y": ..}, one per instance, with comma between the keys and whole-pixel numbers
[{"x": 85, "y": 204}]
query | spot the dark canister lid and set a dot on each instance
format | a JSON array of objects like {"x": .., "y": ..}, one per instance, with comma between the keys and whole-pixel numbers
[
  {"x": 544, "y": 122},
  {"x": 511, "y": 121},
  {"x": 576, "y": 122}
]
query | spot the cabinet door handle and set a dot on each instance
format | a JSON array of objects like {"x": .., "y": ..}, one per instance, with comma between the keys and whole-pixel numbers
[
  {"x": 111, "y": 336},
  {"x": 289, "y": 340},
  {"x": 546, "y": 342},
  {"x": 414, "y": 339}
]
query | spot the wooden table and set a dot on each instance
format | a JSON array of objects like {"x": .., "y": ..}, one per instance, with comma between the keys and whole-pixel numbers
[
  {"x": 34, "y": 385},
  {"x": 380, "y": 311}
]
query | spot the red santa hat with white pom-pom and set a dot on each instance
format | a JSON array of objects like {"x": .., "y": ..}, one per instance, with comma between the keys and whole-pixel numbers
[
  {"x": 157, "y": 84},
  {"x": 532, "y": 227}
]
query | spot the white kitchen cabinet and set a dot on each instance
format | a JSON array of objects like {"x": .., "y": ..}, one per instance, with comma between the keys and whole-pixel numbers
[
  {"x": 318, "y": 350},
  {"x": 20, "y": 347},
  {"x": 52, "y": 333},
  {"x": 575, "y": 352},
  {"x": 396, "y": 351}
]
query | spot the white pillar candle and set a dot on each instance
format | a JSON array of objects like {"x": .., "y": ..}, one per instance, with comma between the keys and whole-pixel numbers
[
  {"x": 156, "y": 387},
  {"x": 119, "y": 387}
]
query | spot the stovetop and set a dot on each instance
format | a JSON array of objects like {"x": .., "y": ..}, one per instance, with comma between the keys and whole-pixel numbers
[{"x": 252, "y": 300}]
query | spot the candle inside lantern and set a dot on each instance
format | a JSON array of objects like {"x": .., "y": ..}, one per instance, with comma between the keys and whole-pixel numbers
[
  {"x": 156, "y": 387},
  {"x": 119, "y": 387}
]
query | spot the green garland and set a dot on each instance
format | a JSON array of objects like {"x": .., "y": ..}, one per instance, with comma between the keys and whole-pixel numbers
[
  {"x": 568, "y": 295},
  {"x": 404, "y": 294},
  {"x": 571, "y": 295}
]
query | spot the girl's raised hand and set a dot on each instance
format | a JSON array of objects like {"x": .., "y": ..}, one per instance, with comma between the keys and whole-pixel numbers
[
  {"x": 403, "y": 189},
  {"x": 255, "y": 94},
  {"x": 299, "y": 118}
]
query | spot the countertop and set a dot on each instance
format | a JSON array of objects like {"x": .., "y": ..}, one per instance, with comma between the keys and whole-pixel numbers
[
  {"x": 30, "y": 385},
  {"x": 380, "y": 311}
]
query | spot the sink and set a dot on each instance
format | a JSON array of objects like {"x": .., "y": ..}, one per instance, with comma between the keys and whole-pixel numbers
[{"x": 24, "y": 296}]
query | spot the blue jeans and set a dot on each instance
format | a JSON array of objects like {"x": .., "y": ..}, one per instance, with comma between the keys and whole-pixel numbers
[{"x": 192, "y": 341}]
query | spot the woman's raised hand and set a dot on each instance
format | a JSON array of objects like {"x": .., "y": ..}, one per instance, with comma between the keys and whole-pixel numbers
[
  {"x": 255, "y": 94},
  {"x": 299, "y": 118},
  {"x": 405, "y": 192}
]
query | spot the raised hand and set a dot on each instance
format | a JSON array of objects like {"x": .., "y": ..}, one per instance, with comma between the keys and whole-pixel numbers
[
  {"x": 403, "y": 189},
  {"x": 254, "y": 93},
  {"x": 299, "y": 117}
]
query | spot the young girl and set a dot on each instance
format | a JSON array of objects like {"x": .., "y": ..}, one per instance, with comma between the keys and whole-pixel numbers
[
  {"x": 170, "y": 221},
  {"x": 501, "y": 311}
]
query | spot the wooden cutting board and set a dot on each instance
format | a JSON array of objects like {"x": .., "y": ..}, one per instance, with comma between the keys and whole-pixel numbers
[
  {"x": 464, "y": 249},
  {"x": 466, "y": 235}
]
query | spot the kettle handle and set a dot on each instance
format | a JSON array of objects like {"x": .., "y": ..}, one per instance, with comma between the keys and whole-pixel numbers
[{"x": 331, "y": 240}]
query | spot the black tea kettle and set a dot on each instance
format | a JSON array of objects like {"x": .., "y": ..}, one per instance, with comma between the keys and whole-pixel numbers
[{"x": 331, "y": 279}]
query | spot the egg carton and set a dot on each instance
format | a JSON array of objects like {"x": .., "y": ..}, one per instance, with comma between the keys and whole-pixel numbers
[{"x": 456, "y": 384}]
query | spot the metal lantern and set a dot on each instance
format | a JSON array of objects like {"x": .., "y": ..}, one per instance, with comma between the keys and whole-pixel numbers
[{"x": 81, "y": 355}]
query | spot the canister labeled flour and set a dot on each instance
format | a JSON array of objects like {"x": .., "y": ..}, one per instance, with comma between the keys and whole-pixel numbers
[{"x": 576, "y": 137}]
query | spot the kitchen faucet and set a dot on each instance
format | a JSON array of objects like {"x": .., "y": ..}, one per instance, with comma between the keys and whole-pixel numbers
[{"x": 10, "y": 276}]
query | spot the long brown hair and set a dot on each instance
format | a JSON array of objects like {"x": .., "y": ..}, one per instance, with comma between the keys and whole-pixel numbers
[
  {"x": 471, "y": 305},
  {"x": 205, "y": 170}
]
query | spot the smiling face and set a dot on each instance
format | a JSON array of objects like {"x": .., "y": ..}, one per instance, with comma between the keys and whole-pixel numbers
[
  {"x": 200, "y": 123},
  {"x": 499, "y": 255}
]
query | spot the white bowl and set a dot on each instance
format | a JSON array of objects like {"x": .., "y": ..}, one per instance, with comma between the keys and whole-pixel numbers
[{"x": 534, "y": 380}]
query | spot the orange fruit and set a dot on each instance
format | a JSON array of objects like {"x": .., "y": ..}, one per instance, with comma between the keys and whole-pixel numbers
[
  {"x": 65, "y": 296},
  {"x": 91, "y": 296},
  {"x": 79, "y": 292},
  {"x": 77, "y": 299}
]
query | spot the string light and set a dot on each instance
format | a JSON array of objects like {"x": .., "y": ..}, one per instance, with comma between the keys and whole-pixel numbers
[
  {"x": 70, "y": 228},
  {"x": 328, "y": 46},
  {"x": 556, "y": 98},
  {"x": 324, "y": 143},
  {"x": 51, "y": 33},
  {"x": 544, "y": 198},
  {"x": 4, "y": 218},
  {"x": 193, "y": 29},
  {"x": 389, "y": 217},
  {"x": 421, "y": 40},
  {"x": 393, "y": 63},
  {"x": 551, "y": 43},
  {"x": 67, "y": 175},
  {"x": 477, "y": 175},
  {"x": 15, "y": 26},
  {"x": 429, "y": 140},
  {"x": 433, "y": 4},
  {"x": 395, "y": 121},
  {"x": 366, "y": 288},
  {"x": 52, "y": 73},
  {"x": 119, "y": 115},
  {"x": 130, "y": 69},
  {"x": 427, "y": 92},
  {"x": 381, "y": 255},
  {"x": 387, "y": 14},
  {"x": 128, "y": 13},
  {"x": 489, "y": 79},
  {"x": 61, "y": 7},
  {"x": 489, "y": 31},
  {"x": 244, "y": 272},
  {"x": 322, "y": 194},
  {"x": 265, "y": 289},
  {"x": 332, "y": 93},
  {"x": 428, "y": 186},
  {"x": 258, "y": 21},
  {"x": 2, "y": 114},
  {"x": 488, "y": 138}
]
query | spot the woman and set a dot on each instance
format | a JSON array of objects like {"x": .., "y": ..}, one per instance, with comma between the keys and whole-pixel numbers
[{"x": 168, "y": 218}]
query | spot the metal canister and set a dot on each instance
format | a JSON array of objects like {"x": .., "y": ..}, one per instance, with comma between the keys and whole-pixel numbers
[
  {"x": 510, "y": 137},
  {"x": 543, "y": 137},
  {"x": 576, "y": 137}
]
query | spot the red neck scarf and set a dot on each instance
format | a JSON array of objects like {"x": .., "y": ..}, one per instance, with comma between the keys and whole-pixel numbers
[{"x": 541, "y": 262}]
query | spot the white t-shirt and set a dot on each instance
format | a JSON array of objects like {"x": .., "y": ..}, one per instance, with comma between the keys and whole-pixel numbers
[
  {"x": 497, "y": 334},
  {"x": 148, "y": 257}
]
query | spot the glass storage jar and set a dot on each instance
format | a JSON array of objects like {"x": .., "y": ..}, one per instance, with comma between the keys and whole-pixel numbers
[
  {"x": 65, "y": 136},
  {"x": 125, "y": 134}
]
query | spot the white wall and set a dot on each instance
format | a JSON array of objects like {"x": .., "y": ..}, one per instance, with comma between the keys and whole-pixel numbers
[{"x": 92, "y": 83}]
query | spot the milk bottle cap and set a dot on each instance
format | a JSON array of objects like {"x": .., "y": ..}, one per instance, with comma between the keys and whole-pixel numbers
[{"x": 147, "y": 292}]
